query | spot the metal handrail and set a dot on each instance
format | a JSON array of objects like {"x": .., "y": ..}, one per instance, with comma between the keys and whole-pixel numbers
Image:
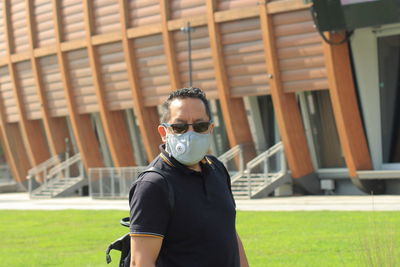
[
  {"x": 260, "y": 158},
  {"x": 43, "y": 166},
  {"x": 64, "y": 165},
  {"x": 230, "y": 154},
  {"x": 263, "y": 158}
]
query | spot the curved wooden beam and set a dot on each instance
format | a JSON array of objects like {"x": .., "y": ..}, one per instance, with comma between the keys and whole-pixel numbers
[
  {"x": 56, "y": 128},
  {"x": 233, "y": 109},
  {"x": 113, "y": 121},
  {"x": 169, "y": 47},
  {"x": 36, "y": 145},
  {"x": 13, "y": 147},
  {"x": 346, "y": 111},
  {"x": 81, "y": 124},
  {"x": 147, "y": 116},
  {"x": 285, "y": 105}
]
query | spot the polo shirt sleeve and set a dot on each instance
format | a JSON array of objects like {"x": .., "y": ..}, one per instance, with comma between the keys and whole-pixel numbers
[{"x": 149, "y": 207}]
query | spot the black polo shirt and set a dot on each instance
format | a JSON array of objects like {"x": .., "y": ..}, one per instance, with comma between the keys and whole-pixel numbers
[{"x": 199, "y": 230}]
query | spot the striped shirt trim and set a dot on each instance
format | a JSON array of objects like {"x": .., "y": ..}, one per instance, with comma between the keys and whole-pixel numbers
[
  {"x": 166, "y": 160},
  {"x": 147, "y": 235},
  {"x": 208, "y": 160}
]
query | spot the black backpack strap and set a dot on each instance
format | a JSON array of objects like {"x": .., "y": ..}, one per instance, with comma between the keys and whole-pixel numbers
[
  {"x": 219, "y": 165},
  {"x": 122, "y": 244}
]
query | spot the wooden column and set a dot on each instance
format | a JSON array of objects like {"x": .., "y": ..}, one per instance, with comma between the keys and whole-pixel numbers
[
  {"x": 36, "y": 145},
  {"x": 56, "y": 128},
  {"x": 233, "y": 109},
  {"x": 285, "y": 105},
  {"x": 113, "y": 122},
  {"x": 13, "y": 147},
  {"x": 81, "y": 124},
  {"x": 345, "y": 107},
  {"x": 168, "y": 47},
  {"x": 147, "y": 117}
]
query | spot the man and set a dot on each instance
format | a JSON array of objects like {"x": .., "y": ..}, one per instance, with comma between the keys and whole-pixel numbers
[{"x": 199, "y": 228}]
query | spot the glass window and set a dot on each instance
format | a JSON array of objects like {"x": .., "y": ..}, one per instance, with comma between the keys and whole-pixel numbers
[{"x": 389, "y": 85}]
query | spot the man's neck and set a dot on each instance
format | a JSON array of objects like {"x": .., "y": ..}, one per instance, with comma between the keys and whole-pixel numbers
[{"x": 195, "y": 167}]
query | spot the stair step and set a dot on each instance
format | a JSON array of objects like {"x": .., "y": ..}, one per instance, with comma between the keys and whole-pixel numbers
[
  {"x": 246, "y": 183},
  {"x": 57, "y": 187},
  {"x": 241, "y": 198}
]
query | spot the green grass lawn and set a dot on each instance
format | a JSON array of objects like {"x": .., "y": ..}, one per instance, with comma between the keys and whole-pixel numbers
[{"x": 79, "y": 238}]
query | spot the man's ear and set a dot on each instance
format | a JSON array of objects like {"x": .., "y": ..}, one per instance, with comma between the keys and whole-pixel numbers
[
  {"x": 163, "y": 133},
  {"x": 212, "y": 128}
]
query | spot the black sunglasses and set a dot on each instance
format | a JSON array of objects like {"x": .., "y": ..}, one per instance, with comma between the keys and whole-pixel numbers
[{"x": 179, "y": 128}]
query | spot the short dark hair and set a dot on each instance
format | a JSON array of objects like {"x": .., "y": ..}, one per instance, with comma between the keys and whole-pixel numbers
[{"x": 183, "y": 93}]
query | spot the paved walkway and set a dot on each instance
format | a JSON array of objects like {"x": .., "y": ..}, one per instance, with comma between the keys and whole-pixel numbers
[{"x": 21, "y": 201}]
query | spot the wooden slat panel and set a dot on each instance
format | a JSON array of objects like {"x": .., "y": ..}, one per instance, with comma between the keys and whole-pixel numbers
[
  {"x": 291, "y": 18},
  {"x": 299, "y": 51},
  {"x": 114, "y": 76},
  {"x": 7, "y": 96},
  {"x": 19, "y": 30},
  {"x": 306, "y": 85},
  {"x": 29, "y": 95},
  {"x": 231, "y": 4},
  {"x": 72, "y": 20},
  {"x": 3, "y": 51},
  {"x": 182, "y": 8},
  {"x": 294, "y": 28},
  {"x": 143, "y": 12},
  {"x": 149, "y": 62},
  {"x": 250, "y": 91},
  {"x": 105, "y": 16},
  {"x": 302, "y": 74},
  {"x": 44, "y": 23},
  {"x": 244, "y": 56},
  {"x": 202, "y": 74},
  {"x": 81, "y": 77},
  {"x": 52, "y": 84}
]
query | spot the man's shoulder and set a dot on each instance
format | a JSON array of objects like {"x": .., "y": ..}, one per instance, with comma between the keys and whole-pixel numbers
[
  {"x": 152, "y": 174},
  {"x": 149, "y": 179},
  {"x": 214, "y": 161}
]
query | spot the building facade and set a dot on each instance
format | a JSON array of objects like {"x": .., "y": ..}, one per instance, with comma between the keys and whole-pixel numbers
[{"x": 89, "y": 76}]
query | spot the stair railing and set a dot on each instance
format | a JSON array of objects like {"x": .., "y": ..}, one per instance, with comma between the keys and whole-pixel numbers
[
  {"x": 60, "y": 170},
  {"x": 39, "y": 172},
  {"x": 264, "y": 160},
  {"x": 228, "y": 156},
  {"x": 64, "y": 167}
]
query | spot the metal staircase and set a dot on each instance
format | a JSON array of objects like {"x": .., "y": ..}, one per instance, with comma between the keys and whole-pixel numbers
[
  {"x": 56, "y": 178},
  {"x": 262, "y": 175}
]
